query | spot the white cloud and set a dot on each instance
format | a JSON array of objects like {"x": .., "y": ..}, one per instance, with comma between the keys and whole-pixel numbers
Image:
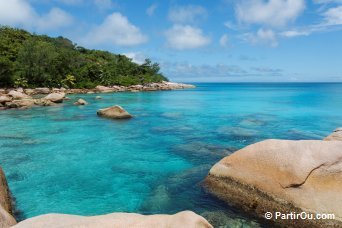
[
  {"x": 56, "y": 18},
  {"x": 327, "y": 1},
  {"x": 16, "y": 13},
  {"x": 333, "y": 16},
  {"x": 187, "y": 14},
  {"x": 262, "y": 36},
  {"x": 150, "y": 10},
  {"x": 136, "y": 57},
  {"x": 20, "y": 13},
  {"x": 331, "y": 21},
  {"x": 230, "y": 25},
  {"x": 273, "y": 13},
  {"x": 294, "y": 33},
  {"x": 184, "y": 71},
  {"x": 183, "y": 37},
  {"x": 178, "y": 69},
  {"x": 117, "y": 30},
  {"x": 268, "y": 71},
  {"x": 224, "y": 40}
]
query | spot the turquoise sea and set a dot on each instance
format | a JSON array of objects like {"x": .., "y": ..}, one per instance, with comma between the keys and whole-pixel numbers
[{"x": 66, "y": 159}]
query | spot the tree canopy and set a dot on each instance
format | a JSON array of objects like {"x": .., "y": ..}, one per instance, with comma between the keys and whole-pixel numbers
[{"x": 30, "y": 60}]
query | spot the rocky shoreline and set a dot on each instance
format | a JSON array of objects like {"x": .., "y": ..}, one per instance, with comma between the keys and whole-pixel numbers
[
  {"x": 26, "y": 98},
  {"x": 288, "y": 177}
]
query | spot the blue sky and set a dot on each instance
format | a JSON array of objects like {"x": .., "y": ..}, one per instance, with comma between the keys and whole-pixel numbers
[{"x": 202, "y": 40}]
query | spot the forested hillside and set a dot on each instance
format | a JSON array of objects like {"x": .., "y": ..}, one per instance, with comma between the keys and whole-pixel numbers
[{"x": 29, "y": 60}]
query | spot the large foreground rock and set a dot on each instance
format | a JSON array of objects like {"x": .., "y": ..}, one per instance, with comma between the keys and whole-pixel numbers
[
  {"x": 115, "y": 112},
  {"x": 186, "y": 219},
  {"x": 283, "y": 176},
  {"x": 335, "y": 136},
  {"x": 55, "y": 97},
  {"x": 6, "y": 219}
]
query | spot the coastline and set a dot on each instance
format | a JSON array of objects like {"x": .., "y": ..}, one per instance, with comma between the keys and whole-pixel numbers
[
  {"x": 20, "y": 98},
  {"x": 168, "y": 119}
]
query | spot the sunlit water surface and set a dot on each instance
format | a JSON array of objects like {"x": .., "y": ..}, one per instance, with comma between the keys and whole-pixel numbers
[{"x": 66, "y": 159}]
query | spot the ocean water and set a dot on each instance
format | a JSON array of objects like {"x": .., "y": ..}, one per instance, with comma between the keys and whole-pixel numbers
[{"x": 65, "y": 159}]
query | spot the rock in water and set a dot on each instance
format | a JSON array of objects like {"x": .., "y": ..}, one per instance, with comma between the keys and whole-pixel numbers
[
  {"x": 4, "y": 99},
  {"x": 80, "y": 102},
  {"x": 24, "y": 103},
  {"x": 335, "y": 136},
  {"x": 43, "y": 102},
  {"x": 104, "y": 89},
  {"x": 6, "y": 218},
  {"x": 283, "y": 176},
  {"x": 55, "y": 97},
  {"x": 115, "y": 112},
  {"x": 42, "y": 90},
  {"x": 185, "y": 219},
  {"x": 18, "y": 95},
  {"x": 98, "y": 98}
]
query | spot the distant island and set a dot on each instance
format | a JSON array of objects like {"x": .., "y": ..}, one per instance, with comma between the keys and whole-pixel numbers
[{"x": 30, "y": 61}]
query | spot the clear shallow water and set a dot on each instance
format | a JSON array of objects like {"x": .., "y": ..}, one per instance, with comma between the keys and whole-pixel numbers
[{"x": 65, "y": 159}]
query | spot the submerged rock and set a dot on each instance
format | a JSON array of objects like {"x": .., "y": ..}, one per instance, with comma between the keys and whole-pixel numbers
[
  {"x": 283, "y": 176},
  {"x": 172, "y": 115},
  {"x": 187, "y": 178},
  {"x": 98, "y": 98},
  {"x": 185, "y": 219},
  {"x": 222, "y": 220},
  {"x": 6, "y": 210},
  {"x": 165, "y": 197},
  {"x": 250, "y": 122},
  {"x": 237, "y": 131},
  {"x": 115, "y": 112},
  {"x": 55, "y": 97},
  {"x": 160, "y": 199},
  {"x": 335, "y": 136},
  {"x": 201, "y": 152},
  {"x": 80, "y": 102}
]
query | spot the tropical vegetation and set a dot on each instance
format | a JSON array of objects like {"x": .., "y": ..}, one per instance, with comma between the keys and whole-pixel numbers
[{"x": 30, "y": 60}]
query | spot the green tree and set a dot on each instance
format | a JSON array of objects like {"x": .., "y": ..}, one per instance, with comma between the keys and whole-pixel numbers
[
  {"x": 69, "y": 81},
  {"x": 37, "y": 63},
  {"x": 21, "y": 82},
  {"x": 40, "y": 60},
  {"x": 6, "y": 72}
]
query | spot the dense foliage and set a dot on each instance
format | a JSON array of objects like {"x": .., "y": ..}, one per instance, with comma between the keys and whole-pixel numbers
[{"x": 30, "y": 60}]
